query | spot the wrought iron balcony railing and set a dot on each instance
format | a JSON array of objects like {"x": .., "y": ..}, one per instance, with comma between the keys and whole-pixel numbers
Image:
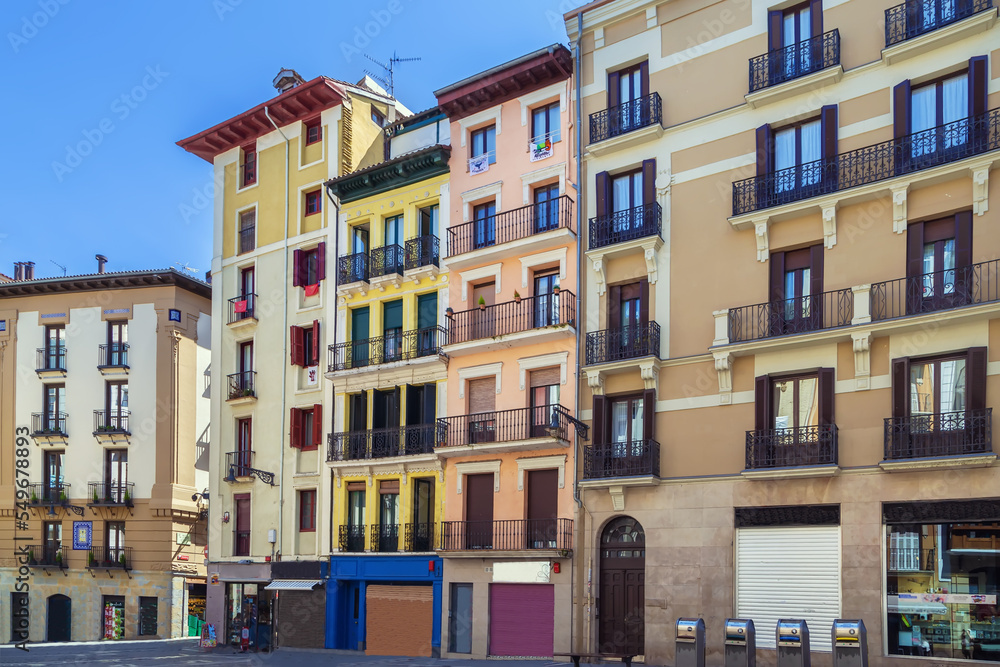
[
  {"x": 385, "y": 261},
  {"x": 110, "y": 558},
  {"x": 632, "y": 223},
  {"x": 507, "y": 534},
  {"x": 418, "y": 537},
  {"x": 242, "y": 384},
  {"x": 910, "y": 559},
  {"x": 242, "y": 308},
  {"x": 110, "y": 493},
  {"x": 46, "y": 555},
  {"x": 790, "y": 447},
  {"x": 111, "y": 422},
  {"x": 826, "y": 310},
  {"x": 941, "y": 290},
  {"x": 543, "y": 421},
  {"x": 353, "y": 268},
  {"x": 112, "y": 355},
  {"x": 49, "y": 493},
  {"x": 422, "y": 251},
  {"x": 908, "y": 154},
  {"x": 508, "y": 226},
  {"x": 629, "y": 342},
  {"x": 385, "y": 538},
  {"x": 51, "y": 358},
  {"x": 248, "y": 171},
  {"x": 794, "y": 61},
  {"x": 352, "y": 538},
  {"x": 399, "y": 346},
  {"x": 247, "y": 236},
  {"x": 621, "y": 459},
  {"x": 626, "y": 117},
  {"x": 531, "y": 312},
  {"x": 43, "y": 424},
  {"x": 239, "y": 463},
  {"x": 919, "y": 17},
  {"x": 933, "y": 435},
  {"x": 381, "y": 443}
]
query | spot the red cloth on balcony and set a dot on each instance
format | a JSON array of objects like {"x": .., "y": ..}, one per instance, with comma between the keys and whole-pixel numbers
[
  {"x": 312, "y": 290},
  {"x": 240, "y": 306}
]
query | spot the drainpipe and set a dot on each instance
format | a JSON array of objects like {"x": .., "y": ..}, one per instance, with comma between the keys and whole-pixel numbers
[
  {"x": 579, "y": 303},
  {"x": 333, "y": 334},
  {"x": 284, "y": 346}
]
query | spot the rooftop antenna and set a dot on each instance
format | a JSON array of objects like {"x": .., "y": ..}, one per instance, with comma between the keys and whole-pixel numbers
[
  {"x": 387, "y": 79},
  {"x": 59, "y": 265},
  {"x": 184, "y": 267}
]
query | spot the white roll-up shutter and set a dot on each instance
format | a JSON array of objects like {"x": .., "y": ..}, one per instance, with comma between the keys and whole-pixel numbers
[{"x": 789, "y": 572}]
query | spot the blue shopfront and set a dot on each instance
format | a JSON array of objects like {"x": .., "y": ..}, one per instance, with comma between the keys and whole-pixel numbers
[{"x": 385, "y": 604}]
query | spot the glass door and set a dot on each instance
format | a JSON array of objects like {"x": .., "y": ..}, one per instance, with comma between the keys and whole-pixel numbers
[
  {"x": 627, "y": 425},
  {"x": 53, "y": 489},
  {"x": 388, "y": 522},
  {"x": 117, "y": 343},
  {"x": 115, "y": 475},
  {"x": 546, "y": 300},
  {"x": 546, "y": 208},
  {"x": 484, "y": 217}
]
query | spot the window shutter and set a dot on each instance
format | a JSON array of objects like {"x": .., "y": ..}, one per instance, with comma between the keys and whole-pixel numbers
[
  {"x": 544, "y": 377},
  {"x": 598, "y": 437},
  {"x": 816, "y": 17},
  {"x": 321, "y": 262},
  {"x": 762, "y": 403},
  {"x": 298, "y": 345},
  {"x": 317, "y": 434},
  {"x": 649, "y": 181},
  {"x": 648, "y": 414},
  {"x": 613, "y": 82},
  {"x": 816, "y": 272},
  {"x": 827, "y": 391},
  {"x": 915, "y": 249},
  {"x": 828, "y": 130},
  {"x": 976, "y": 379},
  {"x": 963, "y": 239},
  {"x": 774, "y": 21},
  {"x": 295, "y": 437},
  {"x": 764, "y": 149},
  {"x": 643, "y": 302},
  {"x": 901, "y": 387},
  {"x": 314, "y": 361},
  {"x": 614, "y": 307},
  {"x": 602, "y": 186},
  {"x": 901, "y": 109},
  {"x": 482, "y": 395},
  {"x": 978, "y": 86},
  {"x": 778, "y": 276},
  {"x": 297, "y": 268},
  {"x": 644, "y": 78}
]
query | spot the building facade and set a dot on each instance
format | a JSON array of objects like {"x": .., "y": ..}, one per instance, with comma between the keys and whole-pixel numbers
[
  {"x": 792, "y": 328},
  {"x": 105, "y": 408}
]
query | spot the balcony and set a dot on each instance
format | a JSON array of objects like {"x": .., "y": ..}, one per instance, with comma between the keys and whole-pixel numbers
[
  {"x": 353, "y": 539},
  {"x": 46, "y": 556},
  {"x": 50, "y": 362},
  {"x": 625, "y": 121},
  {"x": 909, "y": 154},
  {"x": 794, "y": 62},
  {"x": 110, "y": 494},
  {"x": 385, "y": 265},
  {"x": 417, "y": 537},
  {"x": 554, "y": 536},
  {"x": 352, "y": 272},
  {"x": 109, "y": 558},
  {"x": 46, "y": 426},
  {"x": 911, "y": 559},
  {"x": 629, "y": 225},
  {"x": 815, "y": 312},
  {"x": 919, "y": 17},
  {"x": 370, "y": 353},
  {"x": 112, "y": 359},
  {"x": 422, "y": 257},
  {"x": 939, "y": 440},
  {"x": 242, "y": 310},
  {"x": 932, "y": 292},
  {"x": 111, "y": 427},
  {"x": 48, "y": 494},
  {"x": 242, "y": 387},
  {"x": 537, "y": 227},
  {"x": 531, "y": 319},
  {"x": 635, "y": 342},
  {"x": 805, "y": 451},
  {"x": 383, "y": 443},
  {"x": 239, "y": 466},
  {"x": 520, "y": 429},
  {"x": 617, "y": 460}
]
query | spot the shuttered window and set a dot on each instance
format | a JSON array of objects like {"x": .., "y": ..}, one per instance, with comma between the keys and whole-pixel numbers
[
  {"x": 544, "y": 377},
  {"x": 482, "y": 394}
]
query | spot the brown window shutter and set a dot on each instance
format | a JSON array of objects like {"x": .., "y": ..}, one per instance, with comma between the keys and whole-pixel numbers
[
  {"x": 482, "y": 394},
  {"x": 644, "y": 78},
  {"x": 388, "y": 486},
  {"x": 915, "y": 249},
  {"x": 901, "y": 387},
  {"x": 643, "y": 302},
  {"x": 614, "y": 307},
  {"x": 315, "y": 344},
  {"x": 975, "y": 374},
  {"x": 317, "y": 434},
  {"x": 296, "y": 268},
  {"x": 321, "y": 261},
  {"x": 613, "y": 84},
  {"x": 774, "y": 21},
  {"x": 828, "y": 130},
  {"x": 297, "y": 346},
  {"x": 598, "y": 437},
  {"x": 602, "y": 187},
  {"x": 649, "y": 414},
  {"x": 978, "y": 86},
  {"x": 816, "y": 270},
  {"x": 544, "y": 377},
  {"x": 963, "y": 239},
  {"x": 827, "y": 392},
  {"x": 356, "y": 486},
  {"x": 762, "y": 403},
  {"x": 778, "y": 276},
  {"x": 764, "y": 151},
  {"x": 295, "y": 437},
  {"x": 649, "y": 181},
  {"x": 901, "y": 109},
  {"x": 816, "y": 17}
]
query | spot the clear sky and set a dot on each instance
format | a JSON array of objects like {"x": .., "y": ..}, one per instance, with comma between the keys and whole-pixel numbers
[{"x": 97, "y": 93}]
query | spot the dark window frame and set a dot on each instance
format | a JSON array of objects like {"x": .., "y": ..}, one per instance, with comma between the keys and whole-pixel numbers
[
  {"x": 796, "y": 378},
  {"x": 378, "y": 117},
  {"x": 314, "y": 202},
  {"x": 307, "y": 511},
  {"x": 547, "y": 108},
  {"x": 314, "y": 131},
  {"x": 248, "y": 165},
  {"x": 935, "y": 360},
  {"x": 482, "y": 134}
]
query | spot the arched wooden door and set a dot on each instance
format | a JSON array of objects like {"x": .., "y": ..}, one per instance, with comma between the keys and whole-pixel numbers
[
  {"x": 621, "y": 625},
  {"x": 59, "y": 618}
]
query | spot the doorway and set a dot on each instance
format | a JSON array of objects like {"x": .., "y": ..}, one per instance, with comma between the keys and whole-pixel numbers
[
  {"x": 60, "y": 618},
  {"x": 621, "y": 622}
]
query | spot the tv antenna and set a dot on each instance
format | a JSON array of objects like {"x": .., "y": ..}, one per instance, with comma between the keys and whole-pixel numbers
[
  {"x": 386, "y": 79},
  {"x": 59, "y": 265},
  {"x": 184, "y": 267}
]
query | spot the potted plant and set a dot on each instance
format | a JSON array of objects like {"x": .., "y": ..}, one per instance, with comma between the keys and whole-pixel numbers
[
  {"x": 121, "y": 559},
  {"x": 31, "y": 556},
  {"x": 128, "y": 497},
  {"x": 96, "y": 497},
  {"x": 34, "y": 497},
  {"x": 449, "y": 312},
  {"x": 90, "y": 559},
  {"x": 482, "y": 303},
  {"x": 59, "y": 558},
  {"x": 555, "y": 288},
  {"x": 517, "y": 297},
  {"x": 62, "y": 496}
]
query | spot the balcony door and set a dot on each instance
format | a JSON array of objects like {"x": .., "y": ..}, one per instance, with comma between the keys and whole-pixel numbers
[
  {"x": 55, "y": 404},
  {"x": 626, "y": 201},
  {"x": 359, "y": 240},
  {"x": 546, "y": 300},
  {"x": 392, "y": 330},
  {"x": 241, "y": 543},
  {"x": 796, "y": 291},
  {"x": 359, "y": 337},
  {"x": 388, "y": 517},
  {"x": 355, "y": 541},
  {"x": 484, "y": 225},
  {"x": 482, "y": 398},
  {"x": 546, "y": 208},
  {"x": 385, "y": 422},
  {"x": 52, "y": 541},
  {"x": 795, "y": 417},
  {"x": 627, "y": 425},
  {"x": 114, "y": 537},
  {"x": 116, "y": 404},
  {"x": 246, "y": 358},
  {"x": 53, "y": 486},
  {"x": 543, "y": 504},
  {"x": 55, "y": 347},
  {"x": 421, "y": 417},
  {"x": 117, "y": 343},
  {"x": 626, "y": 89},
  {"x": 479, "y": 511},
  {"x": 628, "y": 320},
  {"x": 793, "y": 51},
  {"x": 939, "y": 255},
  {"x": 427, "y": 331},
  {"x": 797, "y": 152},
  {"x": 357, "y": 426},
  {"x": 938, "y": 116},
  {"x": 421, "y": 535},
  {"x": 244, "y": 447},
  {"x": 544, "y": 402},
  {"x": 483, "y": 318},
  {"x": 115, "y": 475}
]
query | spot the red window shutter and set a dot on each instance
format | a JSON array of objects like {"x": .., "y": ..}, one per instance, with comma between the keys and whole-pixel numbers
[
  {"x": 649, "y": 181},
  {"x": 298, "y": 346},
  {"x": 915, "y": 249},
  {"x": 314, "y": 360},
  {"x": 816, "y": 17},
  {"x": 644, "y": 78},
  {"x": 598, "y": 436},
  {"x": 827, "y": 392},
  {"x": 975, "y": 374},
  {"x": 295, "y": 436},
  {"x": 602, "y": 186},
  {"x": 764, "y": 152},
  {"x": 901, "y": 387},
  {"x": 778, "y": 276},
  {"x": 816, "y": 270},
  {"x": 649, "y": 414},
  {"x": 963, "y": 239},
  {"x": 762, "y": 403},
  {"x": 978, "y": 86},
  {"x": 613, "y": 84},
  {"x": 901, "y": 109},
  {"x": 296, "y": 268},
  {"x": 774, "y": 21},
  {"x": 321, "y": 262},
  {"x": 317, "y": 434}
]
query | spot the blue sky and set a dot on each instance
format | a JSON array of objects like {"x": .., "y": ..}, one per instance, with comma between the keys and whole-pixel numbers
[{"x": 97, "y": 94}]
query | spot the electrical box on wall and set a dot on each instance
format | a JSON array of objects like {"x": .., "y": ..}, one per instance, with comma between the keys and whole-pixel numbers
[{"x": 272, "y": 536}]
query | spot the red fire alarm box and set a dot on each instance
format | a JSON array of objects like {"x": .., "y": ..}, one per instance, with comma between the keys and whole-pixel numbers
[{"x": 555, "y": 568}]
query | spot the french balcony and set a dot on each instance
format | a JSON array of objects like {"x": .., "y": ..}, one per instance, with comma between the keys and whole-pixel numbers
[
  {"x": 384, "y": 443},
  {"x": 816, "y": 312},
  {"x": 239, "y": 466},
  {"x": 110, "y": 494},
  {"x": 616, "y": 345},
  {"x": 242, "y": 311},
  {"x": 50, "y": 362},
  {"x": 48, "y": 494},
  {"x": 247, "y": 238},
  {"x": 112, "y": 359},
  {"x": 634, "y": 461},
  {"x": 385, "y": 265},
  {"x": 631, "y": 224},
  {"x": 804, "y": 63},
  {"x": 528, "y": 320},
  {"x": 415, "y": 538},
  {"x": 804, "y": 451},
  {"x": 353, "y": 539},
  {"x": 911, "y": 559},
  {"x": 111, "y": 427},
  {"x": 915, "y": 18},
  {"x": 422, "y": 258},
  {"x": 537, "y": 227},
  {"x": 939, "y": 440},
  {"x": 520, "y": 429},
  {"x": 242, "y": 387},
  {"x": 44, "y": 556},
  {"x": 393, "y": 348},
  {"x": 48, "y": 426},
  {"x": 353, "y": 272},
  {"x": 932, "y": 292},
  {"x": 110, "y": 558},
  {"x": 909, "y": 154},
  {"x": 626, "y": 124},
  {"x": 552, "y": 536}
]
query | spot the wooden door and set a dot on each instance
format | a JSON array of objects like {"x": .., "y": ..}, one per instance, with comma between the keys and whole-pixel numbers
[
  {"x": 621, "y": 607},
  {"x": 543, "y": 506},
  {"x": 479, "y": 511}
]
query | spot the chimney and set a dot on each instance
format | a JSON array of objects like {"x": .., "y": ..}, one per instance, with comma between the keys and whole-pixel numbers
[
  {"x": 18, "y": 271},
  {"x": 29, "y": 270},
  {"x": 101, "y": 261},
  {"x": 208, "y": 277},
  {"x": 287, "y": 79}
]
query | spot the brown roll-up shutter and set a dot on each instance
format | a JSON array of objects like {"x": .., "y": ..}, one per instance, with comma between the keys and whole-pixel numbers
[
  {"x": 644, "y": 78},
  {"x": 915, "y": 249},
  {"x": 816, "y": 17},
  {"x": 315, "y": 346},
  {"x": 643, "y": 302},
  {"x": 764, "y": 152},
  {"x": 388, "y": 486},
  {"x": 901, "y": 387},
  {"x": 774, "y": 21},
  {"x": 762, "y": 403},
  {"x": 649, "y": 181},
  {"x": 978, "y": 85},
  {"x": 297, "y": 346},
  {"x": 649, "y": 414},
  {"x": 975, "y": 374},
  {"x": 599, "y": 437},
  {"x": 602, "y": 187},
  {"x": 778, "y": 276},
  {"x": 356, "y": 486},
  {"x": 816, "y": 270},
  {"x": 321, "y": 261},
  {"x": 828, "y": 130},
  {"x": 296, "y": 268},
  {"x": 901, "y": 109},
  {"x": 613, "y": 85},
  {"x": 295, "y": 436},
  {"x": 544, "y": 377},
  {"x": 963, "y": 239},
  {"x": 482, "y": 395},
  {"x": 317, "y": 434},
  {"x": 614, "y": 307},
  {"x": 827, "y": 391}
]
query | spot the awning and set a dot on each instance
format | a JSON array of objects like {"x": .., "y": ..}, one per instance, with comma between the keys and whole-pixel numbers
[{"x": 293, "y": 585}]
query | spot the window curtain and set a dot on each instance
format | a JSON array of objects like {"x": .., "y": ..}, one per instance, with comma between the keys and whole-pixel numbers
[
  {"x": 638, "y": 432},
  {"x": 923, "y": 115},
  {"x": 955, "y": 108},
  {"x": 619, "y": 426},
  {"x": 812, "y": 151}
]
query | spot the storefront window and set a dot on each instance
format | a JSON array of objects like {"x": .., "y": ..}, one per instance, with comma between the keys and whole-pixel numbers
[
  {"x": 248, "y": 607},
  {"x": 942, "y": 590},
  {"x": 114, "y": 617}
]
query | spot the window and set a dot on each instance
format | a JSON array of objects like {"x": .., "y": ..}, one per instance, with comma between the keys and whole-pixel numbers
[
  {"x": 938, "y": 264},
  {"x": 628, "y": 318},
  {"x": 314, "y": 203},
  {"x": 797, "y": 146},
  {"x": 53, "y": 481},
  {"x": 241, "y": 531},
  {"x": 484, "y": 142},
  {"x": 115, "y": 475},
  {"x": 55, "y": 348},
  {"x": 484, "y": 216},
  {"x": 243, "y": 456},
  {"x": 546, "y": 299},
  {"x": 627, "y": 90},
  {"x": 54, "y": 417},
  {"x": 626, "y": 191},
  {"x": 937, "y": 386},
  {"x": 797, "y": 160},
  {"x": 393, "y": 230},
  {"x": 392, "y": 330},
  {"x": 545, "y": 123},
  {"x": 627, "y": 425},
  {"x": 793, "y": 421},
  {"x": 626, "y": 205},
  {"x": 427, "y": 221},
  {"x": 544, "y": 398},
  {"x": 546, "y": 208},
  {"x": 790, "y": 33},
  {"x": 117, "y": 350},
  {"x": 248, "y": 227},
  {"x": 51, "y": 541},
  {"x": 307, "y": 511},
  {"x": 307, "y": 427},
  {"x": 796, "y": 290},
  {"x": 114, "y": 538},
  {"x": 377, "y": 117},
  {"x": 246, "y": 356},
  {"x": 248, "y": 167},
  {"x": 116, "y": 405},
  {"x": 796, "y": 403},
  {"x": 305, "y": 345},
  {"x": 388, "y": 515},
  {"x": 309, "y": 266},
  {"x": 314, "y": 131},
  {"x": 147, "y": 616}
]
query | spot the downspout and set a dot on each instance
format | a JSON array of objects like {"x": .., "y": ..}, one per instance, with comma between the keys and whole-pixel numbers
[
  {"x": 284, "y": 346},
  {"x": 333, "y": 335},
  {"x": 579, "y": 303}
]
